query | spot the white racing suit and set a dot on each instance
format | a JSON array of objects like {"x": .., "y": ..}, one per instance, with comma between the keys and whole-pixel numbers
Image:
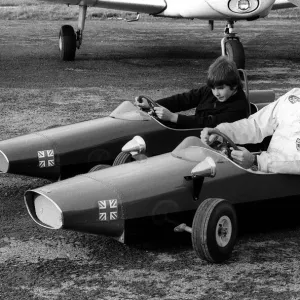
[{"x": 281, "y": 119}]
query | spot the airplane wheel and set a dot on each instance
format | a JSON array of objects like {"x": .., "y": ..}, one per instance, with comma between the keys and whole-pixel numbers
[
  {"x": 122, "y": 158},
  {"x": 235, "y": 51},
  {"x": 67, "y": 43},
  {"x": 99, "y": 167},
  {"x": 214, "y": 230}
]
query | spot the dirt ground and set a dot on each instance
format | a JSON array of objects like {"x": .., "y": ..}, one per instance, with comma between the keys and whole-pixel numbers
[{"x": 117, "y": 62}]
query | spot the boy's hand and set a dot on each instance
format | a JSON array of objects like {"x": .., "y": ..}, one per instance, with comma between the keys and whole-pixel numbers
[
  {"x": 141, "y": 102},
  {"x": 166, "y": 115},
  {"x": 207, "y": 137},
  {"x": 242, "y": 157}
]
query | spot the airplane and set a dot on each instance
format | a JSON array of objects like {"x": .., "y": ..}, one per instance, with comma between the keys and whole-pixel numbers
[{"x": 211, "y": 10}]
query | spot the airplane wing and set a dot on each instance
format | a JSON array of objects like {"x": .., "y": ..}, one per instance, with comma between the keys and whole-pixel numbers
[{"x": 151, "y": 7}]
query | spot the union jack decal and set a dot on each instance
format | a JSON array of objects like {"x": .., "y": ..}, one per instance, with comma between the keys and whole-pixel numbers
[
  {"x": 46, "y": 158},
  {"x": 108, "y": 210}
]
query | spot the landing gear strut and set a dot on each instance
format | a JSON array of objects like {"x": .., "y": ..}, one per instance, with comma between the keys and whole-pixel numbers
[
  {"x": 232, "y": 47},
  {"x": 69, "y": 40}
]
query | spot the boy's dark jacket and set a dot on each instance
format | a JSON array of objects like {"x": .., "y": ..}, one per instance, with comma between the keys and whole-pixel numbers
[{"x": 209, "y": 111}]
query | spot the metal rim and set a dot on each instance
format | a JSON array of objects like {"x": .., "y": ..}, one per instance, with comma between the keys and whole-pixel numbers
[{"x": 223, "y": 231}]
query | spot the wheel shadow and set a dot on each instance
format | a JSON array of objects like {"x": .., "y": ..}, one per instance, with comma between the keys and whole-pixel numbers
[
  {"x": 268, "y": 216},
  {"x": 158, "y": 233},
  {"x": 131, "y": 55},
  {"x": 256, "y": 218}
]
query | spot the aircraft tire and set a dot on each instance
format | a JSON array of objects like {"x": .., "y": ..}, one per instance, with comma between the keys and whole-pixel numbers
[
  {"x": 235, "y": 51},
  {"x": 122, "y": 158},
  {"x": 67, "y": 43},
  {"x": 214, "y": 230},
  {"x": 99, "y": 167}
]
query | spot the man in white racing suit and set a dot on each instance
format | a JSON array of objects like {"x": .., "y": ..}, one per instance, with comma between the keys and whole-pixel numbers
[{"x": 281, "y": 119}]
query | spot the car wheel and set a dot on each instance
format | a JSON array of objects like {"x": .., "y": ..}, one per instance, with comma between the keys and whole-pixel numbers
[
  {"x": 214, "y": 230},
  {"x": 67, "y": 43},
  {"x": 235, "y": 51},
  {"x": 122, "y": 158},
  {"x": 99, "y": 167}
]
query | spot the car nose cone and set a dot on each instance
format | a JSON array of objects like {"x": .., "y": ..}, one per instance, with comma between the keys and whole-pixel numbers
[
  {"x": 48, "y": 212},
  {"x": 4, "y": 162}
]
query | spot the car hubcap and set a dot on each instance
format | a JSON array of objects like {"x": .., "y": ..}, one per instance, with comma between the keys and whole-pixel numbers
[{"x": 223, "y": 231}]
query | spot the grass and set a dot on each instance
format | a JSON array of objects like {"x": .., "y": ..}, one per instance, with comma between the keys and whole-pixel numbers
[
  {"x": 18, "y": 2},
  {"x": 43, "y": 10}
]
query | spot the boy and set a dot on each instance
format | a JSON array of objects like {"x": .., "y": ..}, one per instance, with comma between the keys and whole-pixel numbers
[
  {"x": 281, "y": 119},
  {"x": 221, "y": 99}
]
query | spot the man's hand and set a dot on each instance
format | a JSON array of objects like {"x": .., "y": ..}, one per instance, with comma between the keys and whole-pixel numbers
[
  {"x": 243, "y": 157},
  {"x": 166, "y": 115},
  {"x": 207, "y": 137},
  {"x": 141, "y": 102}
]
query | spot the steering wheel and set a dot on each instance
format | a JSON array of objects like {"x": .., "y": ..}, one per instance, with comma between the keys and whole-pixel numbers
[
  {"x": 151, "y": 104},
  {"x": 225, "y": 146}
]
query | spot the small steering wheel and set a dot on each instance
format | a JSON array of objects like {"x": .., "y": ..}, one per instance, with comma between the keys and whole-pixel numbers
[
  {"x": 151, "y": 104},
  {"x": 225, "y": 146}
]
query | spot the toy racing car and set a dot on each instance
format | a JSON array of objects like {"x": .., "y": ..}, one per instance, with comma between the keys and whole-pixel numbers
[
  {"x": 194, "y": 179},
  {"x": 66, "y": 151}
]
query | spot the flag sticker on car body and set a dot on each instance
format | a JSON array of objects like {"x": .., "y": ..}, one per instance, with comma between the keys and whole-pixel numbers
[
  {"x": 46, "y": 158},
  {"x": 108, "y": 210}
]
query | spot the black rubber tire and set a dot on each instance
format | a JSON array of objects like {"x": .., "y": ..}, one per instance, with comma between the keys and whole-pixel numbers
[
  {"x": 99, "y": 167},
  {"x": 235, "y": 51},
  {"x": 204, "y": 233},
  {"x": 67, "y": 43},
  {"x": 122, "y": 158}
]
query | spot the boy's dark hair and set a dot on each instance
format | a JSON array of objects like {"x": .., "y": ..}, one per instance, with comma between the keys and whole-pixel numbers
[{"x": 223, "y": 71}]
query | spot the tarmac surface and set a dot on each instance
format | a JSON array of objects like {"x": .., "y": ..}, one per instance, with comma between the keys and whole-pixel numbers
[{"x": 118, "y": 61}]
